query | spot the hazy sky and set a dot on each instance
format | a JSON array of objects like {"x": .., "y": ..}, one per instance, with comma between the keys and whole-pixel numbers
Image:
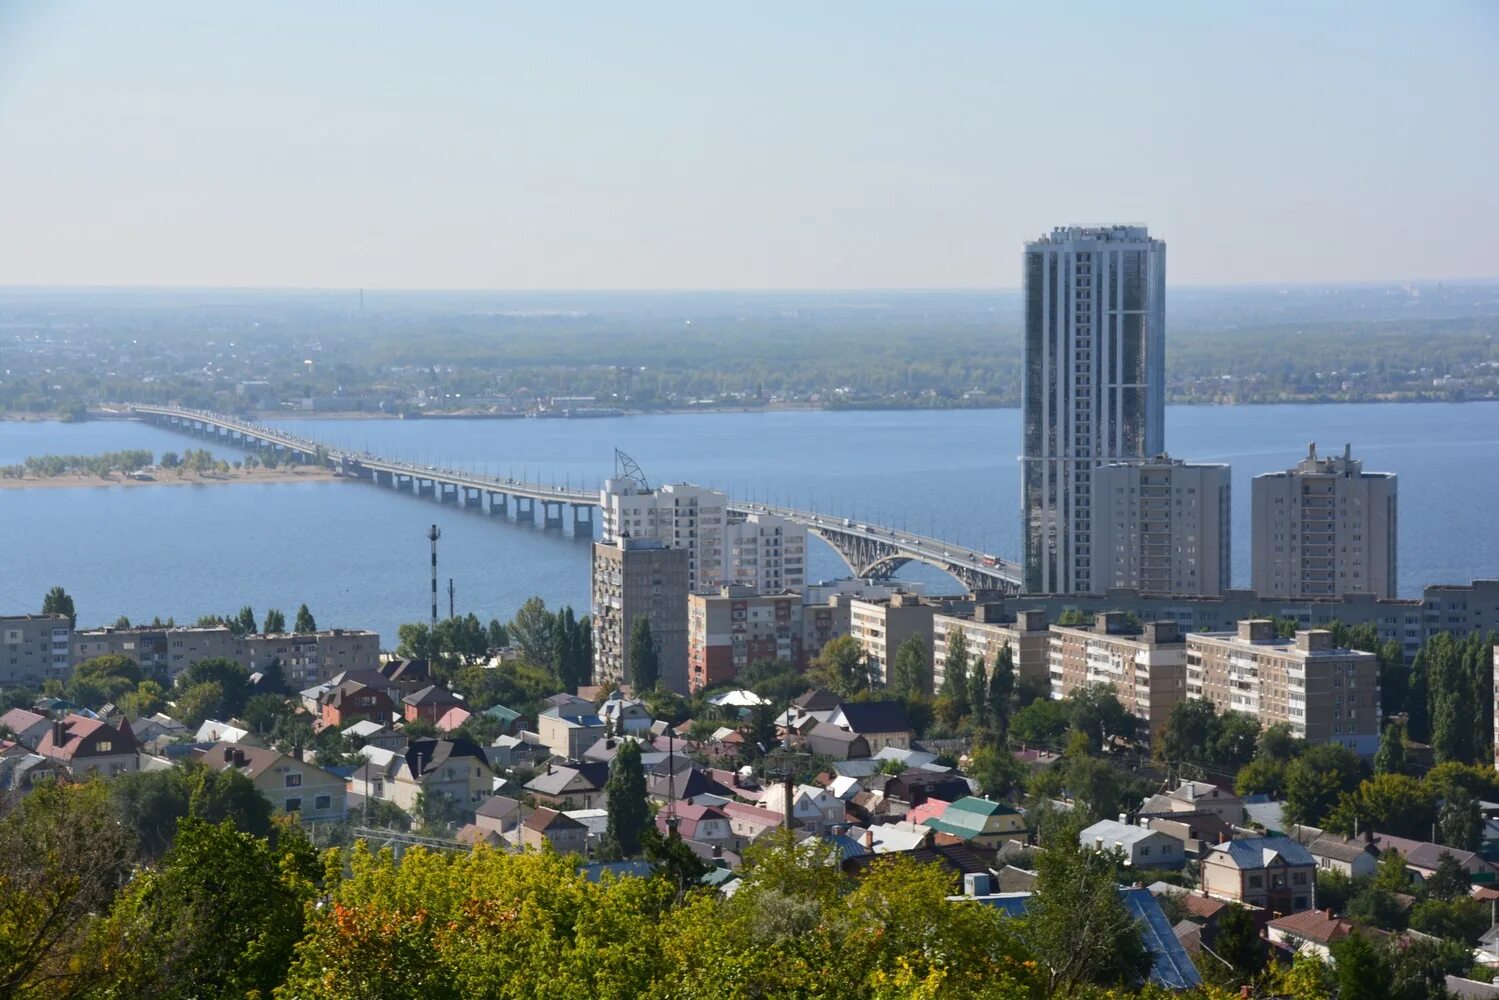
[{"x": 752, "y": 145}]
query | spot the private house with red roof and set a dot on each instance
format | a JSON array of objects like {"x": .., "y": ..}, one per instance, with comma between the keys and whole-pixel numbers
[
  {"x": 430, "y": 703},
  {"x": 28, "y": 726},
  {"x": 1314, "y": 931},
  {"x": 352, "y": 701},
  {"x": 453, "y": 718},
  {"x": 86, "y": 746},
  {"x": 703, "y": 824},
  {"x": 749, "y": 823}
]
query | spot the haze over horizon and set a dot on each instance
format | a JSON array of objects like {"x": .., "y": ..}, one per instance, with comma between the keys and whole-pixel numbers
[{"x": 844, "y": 147}]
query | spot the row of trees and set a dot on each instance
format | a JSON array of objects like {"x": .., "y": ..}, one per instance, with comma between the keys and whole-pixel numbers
[{"x": 102, "y": 465}]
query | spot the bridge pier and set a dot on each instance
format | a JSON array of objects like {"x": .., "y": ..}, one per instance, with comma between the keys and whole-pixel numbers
[
  {"x": 525, "y": 509},
  {"x": 383, "y": 478},
  {"x": 548, "y": 519},
  {"x": 472, "y": 497},
  {"x": 582, "y": 514},
  {"x": 499, "y": 503},
  {"x": 425, "y": 487},
  {"x": 446, "y": 495}
]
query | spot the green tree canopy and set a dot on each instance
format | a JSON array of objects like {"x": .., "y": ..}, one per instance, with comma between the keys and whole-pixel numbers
[
  {"x": 58, "y": 602},
  {"x": 305, "y": 622},
  {"x": 629, "y": 812},
  {"x": 275, "y": 622},
  {"x": 645, "y": 659},
  {"x": 911, "y": 675}
]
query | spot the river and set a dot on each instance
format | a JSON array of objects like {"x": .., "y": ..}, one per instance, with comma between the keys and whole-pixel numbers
[{"x": 359, "y": 556}]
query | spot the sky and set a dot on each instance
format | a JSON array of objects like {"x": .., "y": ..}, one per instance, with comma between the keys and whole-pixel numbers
[{"x": 642, "y": 145}]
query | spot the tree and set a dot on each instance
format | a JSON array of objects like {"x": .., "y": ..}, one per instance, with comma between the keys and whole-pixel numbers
[
  {"x": 1261, "y": 775},
  {"x": 1461, "y": 822},
  {"x": 996, "y": 770},
  {"x": 197, "y": 703},
  {"x": 151, "y": 803},
  {"x": 62, "y": 857},
  {"x": 955, "y": 672},
  {"x": 1461, "y": 919},
  {"x": 220, "y": 918},
  {"x": 1277, "y": 743},
  {"x": 1188, "y": 730},
  {"x": 244, "y": 622},
  {"x": 233, "y": 680},
  {"x": 978, "y": 693},
  {"x": 57, "y": 602},
  {"x": 1096, "y": 711},
  {"x": 1076, "y": 926},
  {"x": 1361, "y": 974},
  {"x": 1396, "y": 804},
  {"x": 911, "y": 674},
  {"x": 499, "y": 638},
  {"x": 531, "y": 631},
  {"x": 1449, "y": 881},
  {"x": 842, "y": 667},
  {"x": 629, "y": 813},
  {"x": 1001, "y": 691},
  {"x": 275, "y": 622},
  {"x": 305, "y": 622},
  {"x": 1390, "y": 759},
  {"x": 1237, "y": 941},
  {"x": 645, "y": 660},
  {"x": 1316, "y": 779}
]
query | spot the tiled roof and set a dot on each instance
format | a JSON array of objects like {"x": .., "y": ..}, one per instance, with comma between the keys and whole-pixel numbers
[
  {"x": 1422, "y": 854},
  {"x": 547, "y": 820},
  {"x": 1314, "y": 925},
  {"x": 432, "y": 694},
  {"x": 77, "y": 729}
]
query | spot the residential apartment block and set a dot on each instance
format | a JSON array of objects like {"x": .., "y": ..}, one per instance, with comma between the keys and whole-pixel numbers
[
  {"x": 1093, "y": 391},
  {"x": 635, "y": 577},
  {"x": 34, "y": 648},
  {"x": 880, "y": 625},
  {"x": 306, "y": 658},
  {"x": 728, "y": 631},
  {"x": 1324, "y": 529},
  {"x": 1325, "y": 694},
  {"x": 987, "y": 630},
  {"x": 1162, "y": 526},
  {"x": 1146, "y": 667}
]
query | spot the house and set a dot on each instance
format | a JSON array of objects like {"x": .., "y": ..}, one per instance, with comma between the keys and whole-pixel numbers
[
  {"x": 567, "y": 736},
  {"x": 703, "y": 824},
  {"x": 28, "y": 726},
  {"x": 569, "y": 704},
  {"x": 1273, "y": 873},
  {"x": 624, "y": 716},
  {"x": 214, "y": 731},
  {"x": 979, "y": 821},
  {"x": 157, "y": 727},
  {"x": 497, "y": 814},
  {"x": 371, "y": 733},
  {"x": 429, "y": 704},
  {"x": 407, "y": 673},
  {"x": 813, "y": 809},
  {"x": 88, "y": 746},
  {"x": 453, "y": 718},
  {"x": 916, "y": 785},
  {"x": 749, "y": 823},
  {"x": 595, "y": 826},
  {"x": 679, "y": 778},
  {"x": 881, "y": 723},
  {"x": 293, "y": 785},
  {"x": 1171, "y": 967},
  {"x": 506, "y": 717},
  {"x": 828, "y": 740},
  {"x": 350, "y": 701},
  {"x": 455, "y": 767},
  {"x": 21, "y": 772},
  {"x": 1197, "y": 831},
  {"x": 548, "y": 827},
  {"x": 1354, "y": 857},
  {"x": 959, "y": 860},
  {"x": 1193, "y": 797},
  {"x": 570, "y": 786},
  {"x": 1142, "y": 846},
  {"x": 1311, "y": 931},
  {"x": 1423, "y": 857}
]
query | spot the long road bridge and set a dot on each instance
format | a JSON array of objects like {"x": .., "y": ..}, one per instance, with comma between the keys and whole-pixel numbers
[{"x": 871, "y": 551}]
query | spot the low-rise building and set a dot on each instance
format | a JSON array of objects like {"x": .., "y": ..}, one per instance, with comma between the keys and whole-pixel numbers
[
  {"x": 1146, "y": 666},
  {"x": 566, "y": 733},
  {"x": 550, "y": 828},
  {"x": 881, "y": 723},
  {"x": 293, "y": 785},
  {"x": 1142, "y": 847},
  {"x": 1313, "y": 932},
  {"x": 429, "y": 704},
  {"x": 987, "y": 630},
  {"x": 28, "y": 726},
  {"x": 1273, "y": 873},
  {"x": 456, "y": 768},
  {"x": 90, "y": 746},
  {"x": 580, "y": 786},
  {"x": 347, "y": 703},
  {"x": 1354, "y": 857},
  {"x": 1325, "y": 694},
  {"x": 979, "y": 821},
  {"x": 813, "y": 809},
  {"x": 1422, "y": 858},
  {"x": 34, "y": 648}
]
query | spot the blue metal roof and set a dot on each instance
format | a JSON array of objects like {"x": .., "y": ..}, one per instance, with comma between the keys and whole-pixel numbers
[{"x": 1172, "y": 967}]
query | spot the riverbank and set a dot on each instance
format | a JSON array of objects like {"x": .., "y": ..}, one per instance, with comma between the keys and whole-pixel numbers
[{"x": 82, "y": 480}]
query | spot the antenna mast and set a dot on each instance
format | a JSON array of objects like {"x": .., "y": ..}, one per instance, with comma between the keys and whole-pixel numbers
[
  {"x": 433, "y": 534},
  {"x": 626, "y": 468}
]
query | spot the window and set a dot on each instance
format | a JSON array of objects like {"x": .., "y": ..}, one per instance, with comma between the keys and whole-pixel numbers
[
  {"x": 104, "y": 746},
  {"x": 1256, "y": 881},
  {"x": 293, "y": 781},
  {"x": 293, "y": 805},
  {"x": 1298, "y": 878},
  {"x": 323, "y": 803}
]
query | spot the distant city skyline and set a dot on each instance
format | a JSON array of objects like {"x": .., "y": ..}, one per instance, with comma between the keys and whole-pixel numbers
[{"x": 648, "y": 147}]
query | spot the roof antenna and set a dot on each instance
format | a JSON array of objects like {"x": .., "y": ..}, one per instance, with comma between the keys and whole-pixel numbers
[{"x": 626, "y": 468}]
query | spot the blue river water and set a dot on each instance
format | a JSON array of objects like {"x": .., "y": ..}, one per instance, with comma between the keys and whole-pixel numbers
[{"x": 358, "y": 555}]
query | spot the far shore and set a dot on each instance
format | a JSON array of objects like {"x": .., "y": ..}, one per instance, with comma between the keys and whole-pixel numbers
[{"x": 299, "y": 474}]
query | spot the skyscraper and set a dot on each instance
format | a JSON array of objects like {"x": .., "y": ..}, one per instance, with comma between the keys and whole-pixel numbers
[
  {"x": 1324, "y": 529},
  {"x": 1094, "y": 390}
]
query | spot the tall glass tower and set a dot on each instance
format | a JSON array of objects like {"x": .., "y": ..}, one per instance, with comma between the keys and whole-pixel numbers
[{"x": 1094, "y": 392}]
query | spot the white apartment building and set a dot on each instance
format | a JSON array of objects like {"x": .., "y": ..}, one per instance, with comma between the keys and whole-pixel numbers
[
  {"x": 881, "y": 625},
  {"x": 1324, "y": 529},
  {"x": 761, "y": 551},
  {"x": 1093, "y": 389},
  {"x": 1162, "y": 526}
]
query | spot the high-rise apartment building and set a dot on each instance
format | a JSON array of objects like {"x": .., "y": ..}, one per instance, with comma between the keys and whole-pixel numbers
[
  {"x": 881, "y": 625},
  {"x": 1325, "y": 694},
  {"x": 1324, "y": 529},
  {"x": 1094, "y": 387},
  {"x": 762, "y": 551},
  {"x": 635, "y": 577},
  {"x": 1162, "y": 526}
]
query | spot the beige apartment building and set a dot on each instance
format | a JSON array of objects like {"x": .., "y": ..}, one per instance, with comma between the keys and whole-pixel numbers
[
  {"x": 306, "y": 658},
  {"x": 1324, "y": 529},
  {"x": 1146, "y": 667},
  {"x": 880, "y": 625},
  {"x": 987, "y": 630},
  {"x": 310, "y": 658},
  {"x": 1325, "y": 694},
  {"x": 34, "y": 648},
  {"x": 728, "y": 631},
  {"x": 634, "y": 577},
  {"x": 1162, "y": 526}
]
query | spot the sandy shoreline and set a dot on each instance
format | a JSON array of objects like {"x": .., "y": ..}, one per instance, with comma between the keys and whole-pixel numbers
[{"x": 298, "y": 475}]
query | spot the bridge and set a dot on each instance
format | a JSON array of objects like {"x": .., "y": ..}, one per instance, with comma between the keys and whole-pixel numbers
[{"x": 871, "y": 551}]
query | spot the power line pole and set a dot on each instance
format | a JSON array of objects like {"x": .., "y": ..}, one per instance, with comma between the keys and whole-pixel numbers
[
  {"x": 451, "y": 613},
  {"x": 433, "y": 534}
]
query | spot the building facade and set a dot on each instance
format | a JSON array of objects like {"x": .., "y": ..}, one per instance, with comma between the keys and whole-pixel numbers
[
  {"x": 1094, "y": 387},
  {"x": 34, "y": 648},
  {"x": 728, "y": 631},
  {"x": 1324, "y": 529},
  {"x": 1146, "y": 667},
  {"x": 880, "y": 625},
  {"x": 306, "y": 658},
  {"x": 1325, "y": 694},
  {"x": 987, "y": 630},
  {"x": 1162, "y": 526},
  {"x": 635, "y": 577}
]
